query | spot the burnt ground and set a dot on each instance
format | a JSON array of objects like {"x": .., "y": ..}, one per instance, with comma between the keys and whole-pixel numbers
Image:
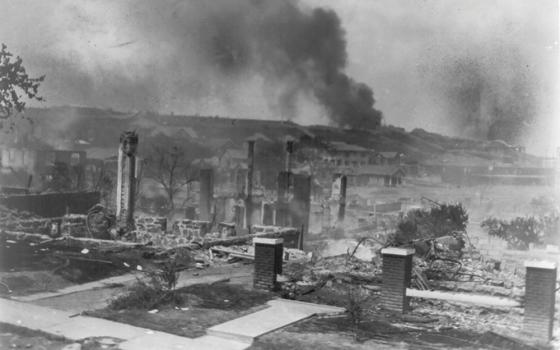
[
  {"x": 28, "y": 268},
  {"x": 336, "y": 333}
]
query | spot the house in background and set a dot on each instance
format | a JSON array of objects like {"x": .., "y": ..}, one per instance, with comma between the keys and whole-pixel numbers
[
  {"x": 387, "y": 175},
  {"x": 44, "y": 164},
  {"x": 390, "y": 158},
  {"x": 346, "y": 155}
]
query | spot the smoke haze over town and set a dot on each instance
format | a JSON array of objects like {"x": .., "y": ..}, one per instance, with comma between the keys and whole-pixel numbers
[{"x": 486, "y": 69}]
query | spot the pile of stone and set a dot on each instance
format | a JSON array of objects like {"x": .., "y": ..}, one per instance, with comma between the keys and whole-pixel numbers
[{"x": 472, "y": 273}]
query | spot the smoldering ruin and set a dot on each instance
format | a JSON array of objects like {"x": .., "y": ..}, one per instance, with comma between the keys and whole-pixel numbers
[{"x": 222, "y": 175}]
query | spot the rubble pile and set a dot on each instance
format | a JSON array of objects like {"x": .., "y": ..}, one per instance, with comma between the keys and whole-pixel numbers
[
  {"x": 246, "y": 251},
  {"x": 337, "y": 272},
  {"x": 471, "y": 273},
  {"x": 9, "y": 218}
]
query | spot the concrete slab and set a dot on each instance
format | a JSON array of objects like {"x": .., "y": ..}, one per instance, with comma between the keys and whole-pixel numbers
[
  {"x": 104, "y": 283},
  {"x": 157, "y": 340},
  {"x": 212, "y": 342},
  {"x": 31, "y": 316},
  {"x": 477, "y": 299},
  {"x": 186, "y": 278},
  {"x": 306, "y": 307},
  {"x": 82, "y": 327},
  {"x": 280, "y": 314},
  {"x": 77, "y": 302}
]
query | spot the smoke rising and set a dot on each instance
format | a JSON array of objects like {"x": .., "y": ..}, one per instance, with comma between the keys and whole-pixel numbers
[
  {"x": 482, "y": 68},
  {"x": 220, "y": 57}
]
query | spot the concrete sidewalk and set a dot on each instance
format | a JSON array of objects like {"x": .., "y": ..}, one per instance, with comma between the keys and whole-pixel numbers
[
  {"x": 281, "y": 313},
  {"x": 237, "y": 334},
  {"x": 76, "y": 328}
]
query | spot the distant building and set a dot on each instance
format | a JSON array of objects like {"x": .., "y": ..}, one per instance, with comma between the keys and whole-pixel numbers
[
  {"x": 387, "y": 175},
  {"x": 346, "y": 155},
  {"x": 390, "y": 158},
  {"x": 497, "y": 175},
  {"x": 41, "y": 163}
]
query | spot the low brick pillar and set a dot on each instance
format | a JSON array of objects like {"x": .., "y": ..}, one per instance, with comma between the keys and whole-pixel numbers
[
  {"x": 540, "y": 285},
  {"x": 268, "y": 262},
  {"x": 397, "y": 271}
]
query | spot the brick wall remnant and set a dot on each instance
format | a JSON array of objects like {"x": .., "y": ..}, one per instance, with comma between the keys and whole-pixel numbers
[
  {"x": 397, "y": 271},
  {"x": 50, "y": 205},
  {"x": 126, "y": 180},
  {"x": 268, "y": 262},
  {"x": 69, "y": 225},
  {"x": 540, "y": 285}
]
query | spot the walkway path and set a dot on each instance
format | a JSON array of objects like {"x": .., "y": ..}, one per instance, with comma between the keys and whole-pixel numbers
[
  {"x": 96, "y": 295},
  {"x": 281, "y": 313},
  {"x": 235, "y": 335}
]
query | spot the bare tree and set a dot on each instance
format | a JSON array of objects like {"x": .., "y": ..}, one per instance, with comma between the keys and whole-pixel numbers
[
  {"x": 170, "y": 167},
  {"x": 101, "y": 179}
]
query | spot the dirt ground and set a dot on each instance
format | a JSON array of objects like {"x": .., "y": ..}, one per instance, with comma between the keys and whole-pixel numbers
[{"x": 335, "y": 333}]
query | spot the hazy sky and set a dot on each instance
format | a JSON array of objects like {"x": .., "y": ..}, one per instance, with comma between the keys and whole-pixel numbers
[{"x": 432, "y": 64}]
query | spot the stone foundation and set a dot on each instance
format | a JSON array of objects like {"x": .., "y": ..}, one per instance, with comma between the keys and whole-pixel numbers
[{"x": 70, "y": 225}]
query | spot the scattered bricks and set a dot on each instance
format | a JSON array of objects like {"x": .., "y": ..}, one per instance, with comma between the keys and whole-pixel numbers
[
  {"x": 397, "y": 270},
  {"x": 268, "y": 262},
  {"x": 540, "y": 285}
]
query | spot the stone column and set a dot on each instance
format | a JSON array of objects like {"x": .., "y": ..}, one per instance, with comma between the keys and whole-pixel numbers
[
  {"x": 289, "y": 151},
  {"x": 206, "y": 194},
  {"x": 126, "y": 180},
  {"x": 339, "y": 193},
  {"x": 249, "y": 197},
  {"x": 301, "y": 205},
  {"x": 397, "y": 272},
  {"x": 540, "y": 285},
  {"x": 268, "y": 262},
  {"x": 282, "y": 203}
]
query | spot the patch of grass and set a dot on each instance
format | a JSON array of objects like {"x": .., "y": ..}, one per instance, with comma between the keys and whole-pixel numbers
[
  {"x": 226, "y": 296},
  {"x": 190, "y": 312}
]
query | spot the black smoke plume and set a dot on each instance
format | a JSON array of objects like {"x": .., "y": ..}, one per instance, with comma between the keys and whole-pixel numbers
[
  {"x": 239, "y": 57},
  {"x": 300, "y": 51}
]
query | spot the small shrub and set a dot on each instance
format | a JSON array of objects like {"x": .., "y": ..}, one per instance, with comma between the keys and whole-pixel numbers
[
  {"x": 435, "y": 222},
  {"x": 355, "y": 306},
  {"x": 168, "y": 276},
  {"x": 522, "y": 231},
  {"x": 146, "y": 296},
  {"x": 158, "y": 290}
]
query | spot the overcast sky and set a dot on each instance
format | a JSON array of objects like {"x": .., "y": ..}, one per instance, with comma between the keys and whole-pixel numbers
[{"x": 421, "y": 58}]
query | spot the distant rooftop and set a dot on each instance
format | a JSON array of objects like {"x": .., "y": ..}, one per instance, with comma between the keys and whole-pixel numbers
[{"x": 345, "y": 147}]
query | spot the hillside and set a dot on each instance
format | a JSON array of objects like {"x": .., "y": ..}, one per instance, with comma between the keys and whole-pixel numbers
[{"x": 97, "y": 131}]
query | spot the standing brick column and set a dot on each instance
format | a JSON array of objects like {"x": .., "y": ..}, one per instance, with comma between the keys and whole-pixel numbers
[
  {"x": 206, "y": 194},
  {"x": 268, "y": 262},
  {"x": 397, "y": 271},
  {"x": 126, "y": 180},
  {"x": 540, "y": 285}
]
